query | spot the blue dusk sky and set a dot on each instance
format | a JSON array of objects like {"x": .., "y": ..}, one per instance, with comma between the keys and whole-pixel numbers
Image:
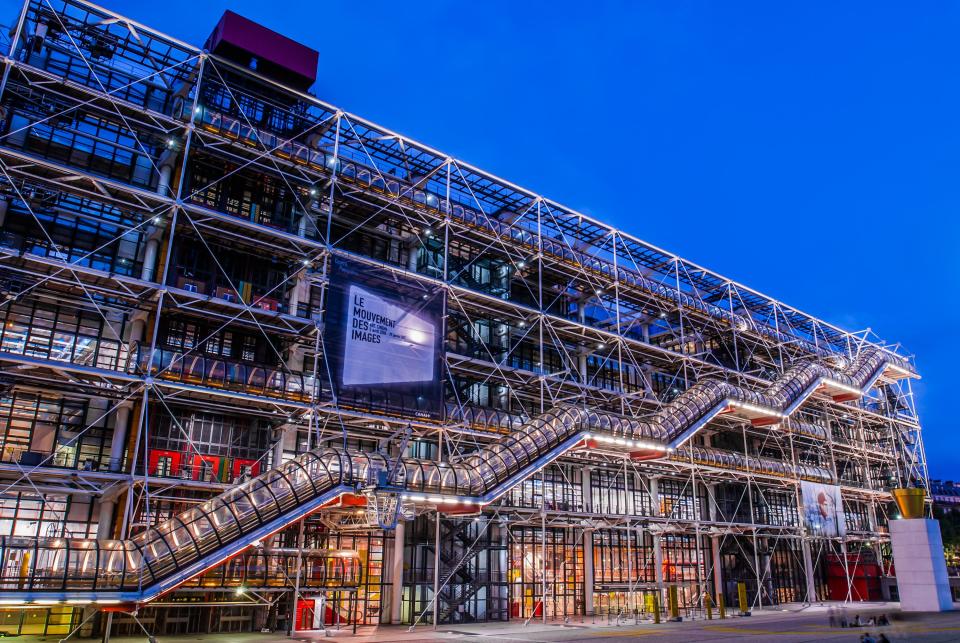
[{"x": 808, "y": 150}]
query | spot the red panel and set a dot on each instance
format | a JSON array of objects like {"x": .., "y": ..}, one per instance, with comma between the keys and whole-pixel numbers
[
  {"x": 459, "y": 510},
  {"x": 305, "y": 608},
  {"x": 266, "y": 303},
  {"x": 346, "y": 500},
  {"x": 864, "y": 579},
  {"x": 240, "y": 463},
  {"x": 197, "y": 463},
  {"x": 647, "y": 454},
  {"x": 175, "y": 461},
  {"x": 845, "y": 397}
]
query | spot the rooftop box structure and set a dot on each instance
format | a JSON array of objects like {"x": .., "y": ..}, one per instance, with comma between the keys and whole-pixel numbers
[{"x": 274, "y": 55}]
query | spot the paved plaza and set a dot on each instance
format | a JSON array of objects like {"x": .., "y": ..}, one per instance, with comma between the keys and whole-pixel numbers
[
  {"x": 796, "y": 624},
  {"x": 785, "y": 626}
]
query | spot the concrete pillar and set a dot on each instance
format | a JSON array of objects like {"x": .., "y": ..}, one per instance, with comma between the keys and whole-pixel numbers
[
  {"x": 277, "y": 456},
  {"x": 584, "y": 351},
  {"x": 295, "y": 359},
  {"x": 654, "y": 484},
  {"x": 396, "y": 590},
  {"x": 285, "y": 439},
  {"x": 647, "y": 372},
  {"x": 588, "y": 571},
  {"x": 588, "y": 574},
  {"x": 658, "y": 562},
  {"x": 413, "y": 243},
  {"x": 148, "y": 271},
  {"x": 150, "y": 249},
  {"x": 921, "y": 570},
  {"x": 717, "y": 567},
  {"x": 293, "y": 302},
  {"x": 808, "y": 569},
  {"x": 715, "y": 542},
  {"x": 412, "y": 257},
  {"x": 712, "y": 502},
  {"x": 107, "y": 512},
  {"x": 304, "y": 226},
  {"x": 655, "y": 495},
  {"x": 166, "y": 171},
  {"x": 138, "y": 330},
  {"x": 586, "y": 490},
  {"x": 637, "y": 487},
  {"x": 503, "y": 335},
  {"x": 765, "y": 573},
  {"x": 121, "y": 429}
]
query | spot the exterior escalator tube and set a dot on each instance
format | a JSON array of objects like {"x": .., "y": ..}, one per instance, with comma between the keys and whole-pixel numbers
[{"x": 157, "y": 560}]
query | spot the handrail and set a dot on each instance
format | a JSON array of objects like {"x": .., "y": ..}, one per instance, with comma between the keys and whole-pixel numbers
[
  {"x": 195, "y": 368},
  {"x": 163, "y": 557},
  {"x": 278, "y": 141},
  {"x": 396, "y": 188}
]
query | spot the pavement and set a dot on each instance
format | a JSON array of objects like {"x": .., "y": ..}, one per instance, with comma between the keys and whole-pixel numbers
[{"x": 787, "y": 624}]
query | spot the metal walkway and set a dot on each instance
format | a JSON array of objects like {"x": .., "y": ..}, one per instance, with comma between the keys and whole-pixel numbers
[{"x": 142, "y": 568}]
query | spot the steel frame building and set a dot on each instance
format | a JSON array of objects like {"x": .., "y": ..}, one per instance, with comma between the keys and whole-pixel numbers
[{"x": 167, "y": 227}]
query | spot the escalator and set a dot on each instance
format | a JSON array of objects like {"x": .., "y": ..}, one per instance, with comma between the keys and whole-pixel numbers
[{"x": 141, "y": 568}]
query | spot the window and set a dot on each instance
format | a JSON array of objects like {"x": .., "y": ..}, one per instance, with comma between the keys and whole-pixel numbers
[
  {"x": 249, "y": 352},
  {"x": 220, "y": 344},
  {"x": 181, "y": 335},
  {"x": 164, "y": 466}
]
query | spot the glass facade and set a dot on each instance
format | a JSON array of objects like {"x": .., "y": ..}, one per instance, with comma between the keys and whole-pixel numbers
[{"x": 617, "y": 420}]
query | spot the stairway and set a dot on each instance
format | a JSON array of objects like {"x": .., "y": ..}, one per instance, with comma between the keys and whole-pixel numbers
[{"x": 154, "y": 562}]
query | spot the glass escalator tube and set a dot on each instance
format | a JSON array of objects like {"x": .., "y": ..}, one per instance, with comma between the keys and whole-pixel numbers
[
  {"x": 178, "y": 539},
  {"x": 82, "y": 566},
  {"x": 620, "y": 428},
  {"x": 158, "y": 552},
  {"x": 416, "y": 474},
  {"x": 201, "y": 529}
]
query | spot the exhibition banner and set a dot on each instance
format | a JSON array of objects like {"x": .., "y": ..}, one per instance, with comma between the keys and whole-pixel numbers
[
  {"x": 823, "y": 509},
  {"x": 384, "y": 336}
]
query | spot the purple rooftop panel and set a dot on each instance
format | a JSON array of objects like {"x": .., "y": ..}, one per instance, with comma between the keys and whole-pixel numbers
[{"x": 274, "y": 55}]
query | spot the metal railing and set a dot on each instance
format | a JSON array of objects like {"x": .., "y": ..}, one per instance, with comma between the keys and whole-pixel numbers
[{"x": 154, "y": 561}]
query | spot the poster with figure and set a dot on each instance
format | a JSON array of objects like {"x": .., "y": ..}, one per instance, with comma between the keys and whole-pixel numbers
[
  {"x": 823, "y": 509},
  {"x": 384, "y": 334}
]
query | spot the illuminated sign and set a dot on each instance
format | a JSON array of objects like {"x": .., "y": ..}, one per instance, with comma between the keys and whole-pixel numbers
[
  {"x": 386, "y": 343},
  {"x": 384, "y": 334}
]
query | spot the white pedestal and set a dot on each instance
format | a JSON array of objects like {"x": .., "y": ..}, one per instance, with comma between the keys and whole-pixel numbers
[{"x": 921, "y": 569}]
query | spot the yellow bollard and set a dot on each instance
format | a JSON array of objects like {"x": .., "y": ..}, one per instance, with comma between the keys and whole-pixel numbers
[
  {"x": 742, "y": 596},
  {"x": 722, "y": 606},
  {"x": 708, "y": 605}
]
